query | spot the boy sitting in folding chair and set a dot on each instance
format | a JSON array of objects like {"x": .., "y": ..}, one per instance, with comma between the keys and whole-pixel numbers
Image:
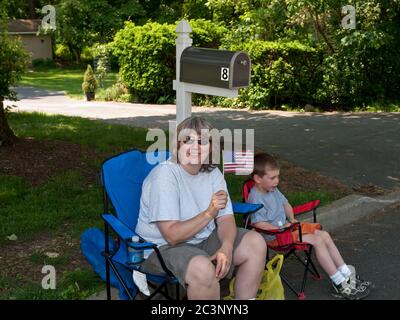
[{"x": 277, "y": 212}]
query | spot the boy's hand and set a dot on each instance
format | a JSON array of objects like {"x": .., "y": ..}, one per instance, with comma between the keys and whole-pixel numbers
[
  {"x": 218, "y": 201},
  {"x": 288, "y": 224}
]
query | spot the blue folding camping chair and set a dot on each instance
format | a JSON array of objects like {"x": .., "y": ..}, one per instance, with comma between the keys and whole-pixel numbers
[{"x": 122, "y": 177}]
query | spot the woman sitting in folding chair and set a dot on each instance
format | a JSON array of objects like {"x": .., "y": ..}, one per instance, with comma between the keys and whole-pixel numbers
[
  {"x": 186, "y": 210},
  {"x": 276, "y": 211}
]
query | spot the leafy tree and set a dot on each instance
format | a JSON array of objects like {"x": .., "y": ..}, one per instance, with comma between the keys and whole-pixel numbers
[
  {"x": 13, "y": 62},
  {"x": 72, "y": 27},
  {"x": 82, "y": 23},
  {"x": 16, "y": 9},
  {"x": 196, "y": 9}
]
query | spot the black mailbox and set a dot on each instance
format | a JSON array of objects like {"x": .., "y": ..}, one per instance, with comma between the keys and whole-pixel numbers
[{"x": 215, "y": 68}]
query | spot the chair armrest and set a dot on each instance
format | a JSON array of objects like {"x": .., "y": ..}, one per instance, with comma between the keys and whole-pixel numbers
[
  {"x": 306, "y": 207},
  {"x": 120, "y": 229},
  {"x": 141, "y": 245},
  {"x": 245, "y": 208},
  {"x": 284, "y": 240},
  {"x": 273, "y": 232},
  {"x": 125, "y": 233}
]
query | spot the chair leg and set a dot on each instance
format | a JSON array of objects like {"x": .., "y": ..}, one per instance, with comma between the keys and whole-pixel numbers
[
  {"x": 106, "y": 255},
  {"x": 163, "y": 290},
  {"x": 177, "y": 292},
  {"x": 309, "y": 266},
  {"x": 300, "y": 295},
  {"x": 303, "y": 285},
  {"x": 121, "y": 281},
  {"x": 108, "y": 284},
  {"x": 316, "y": 274},
  {"x": 287, "y": 283}
]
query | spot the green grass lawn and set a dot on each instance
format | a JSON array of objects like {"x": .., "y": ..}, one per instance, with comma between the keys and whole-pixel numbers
[
  {"x": 66, "y": 204},
  {"x": 66, "y": 79},
  {"x": 65, "y": 200},
  {"x": 96, "y": 134}
]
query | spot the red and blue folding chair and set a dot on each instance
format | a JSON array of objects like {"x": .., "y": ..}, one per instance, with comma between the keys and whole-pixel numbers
[{"x": 284, "y": 239}]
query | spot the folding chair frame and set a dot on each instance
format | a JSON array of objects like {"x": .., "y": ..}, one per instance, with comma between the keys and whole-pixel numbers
[
  {"x": 111, "y": 221},
  {"x": 291, "y": 249}
]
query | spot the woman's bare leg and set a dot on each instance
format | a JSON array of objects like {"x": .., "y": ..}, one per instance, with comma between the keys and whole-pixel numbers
[{"x": 249, "y": 257}]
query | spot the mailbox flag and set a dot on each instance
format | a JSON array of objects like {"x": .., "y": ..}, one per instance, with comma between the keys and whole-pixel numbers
[{"x": 239, "y": 162}]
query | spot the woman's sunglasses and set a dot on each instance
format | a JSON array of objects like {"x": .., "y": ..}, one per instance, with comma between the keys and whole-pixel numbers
[{"x": 201, "y": 141}]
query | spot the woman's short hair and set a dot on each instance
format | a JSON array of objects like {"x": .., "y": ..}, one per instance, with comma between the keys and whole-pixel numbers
[{"x": 201, "y": 127}]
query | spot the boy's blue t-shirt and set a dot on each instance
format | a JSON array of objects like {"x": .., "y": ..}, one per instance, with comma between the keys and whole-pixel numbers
[{"x": 272, "y": 211}]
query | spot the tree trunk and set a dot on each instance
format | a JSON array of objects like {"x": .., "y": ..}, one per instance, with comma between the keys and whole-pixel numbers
[
  {"x": 7, "y": 136},
  {"x": 319, "y": 30},
  {"x": 32, "y": 7}
]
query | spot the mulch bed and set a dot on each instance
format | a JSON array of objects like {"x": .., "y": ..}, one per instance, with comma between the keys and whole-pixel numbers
[
  {"x": 16, "y": 263},
  {"x": 295, "y": 179},
  {"x": 37, "y": 161}
]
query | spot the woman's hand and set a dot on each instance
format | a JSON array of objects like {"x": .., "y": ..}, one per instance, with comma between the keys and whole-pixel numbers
[
  {"x": 218, "y": 201},
  {"x": 223, "y": 260}
]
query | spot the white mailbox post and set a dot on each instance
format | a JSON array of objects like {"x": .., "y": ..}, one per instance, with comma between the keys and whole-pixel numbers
[{"x": 184, "y": 90}]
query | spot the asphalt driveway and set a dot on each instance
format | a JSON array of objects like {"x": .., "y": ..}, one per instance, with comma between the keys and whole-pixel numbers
[{"x": 355, "y": 148}]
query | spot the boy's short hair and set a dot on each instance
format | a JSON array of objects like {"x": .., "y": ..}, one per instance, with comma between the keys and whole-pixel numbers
[{"x": 261, "y": 160}]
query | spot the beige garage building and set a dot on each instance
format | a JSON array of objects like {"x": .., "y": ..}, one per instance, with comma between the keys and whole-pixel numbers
[{"x": 39, "y": 46}]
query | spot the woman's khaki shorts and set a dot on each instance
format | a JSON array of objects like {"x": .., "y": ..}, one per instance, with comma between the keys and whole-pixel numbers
[{"x": 177, "y": 257}]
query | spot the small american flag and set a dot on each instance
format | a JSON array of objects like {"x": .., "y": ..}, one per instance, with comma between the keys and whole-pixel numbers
[{"x": 238, "y": 162}]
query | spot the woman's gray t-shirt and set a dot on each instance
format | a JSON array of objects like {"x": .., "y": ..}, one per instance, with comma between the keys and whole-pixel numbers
[{"x": 171, "y": 193}]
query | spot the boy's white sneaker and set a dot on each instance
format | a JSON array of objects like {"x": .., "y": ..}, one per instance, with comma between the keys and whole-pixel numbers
[
  {"x": 356, "y": 281},
  {"x": 347, "y": 291}
]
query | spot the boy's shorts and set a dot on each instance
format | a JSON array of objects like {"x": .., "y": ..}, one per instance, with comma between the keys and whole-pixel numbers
[
  {"x": 306, "y": 228},
  {"x": 177, "y": 257}
]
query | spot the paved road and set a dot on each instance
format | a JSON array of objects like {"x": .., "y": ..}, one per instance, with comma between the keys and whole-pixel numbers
[
  {"x": 355, "y": 148},
  {"x": 371, "y": 245}
]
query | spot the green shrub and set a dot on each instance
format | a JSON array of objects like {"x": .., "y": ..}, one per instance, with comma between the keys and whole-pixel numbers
[
  {"x": 118, "y": 92},
  {"x": 43, "y": 63},
  {"x": 146, "y": 56},
  {"x": 89, "y": 80},
  {"x": 102, "y": 53},
  {"x": 207, "y": 34},
  {"x": 283, "y": 73},
  {"x": 62, "y": 53},
  {"x": 364, "y": 69},
  {"x": 87, "y": 55}
]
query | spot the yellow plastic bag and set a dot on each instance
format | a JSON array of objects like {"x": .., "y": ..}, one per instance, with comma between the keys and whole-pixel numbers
[{"x": 271, "y": 287}]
